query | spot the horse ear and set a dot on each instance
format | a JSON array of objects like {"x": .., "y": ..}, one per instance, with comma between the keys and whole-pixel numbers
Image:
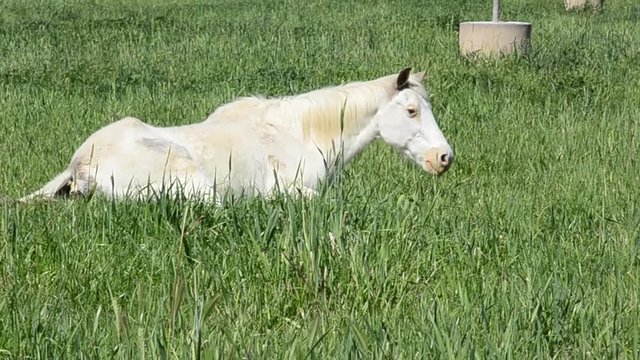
[
  {"x": 403, "y": 79},
  {"x": 419, "y": 76}
]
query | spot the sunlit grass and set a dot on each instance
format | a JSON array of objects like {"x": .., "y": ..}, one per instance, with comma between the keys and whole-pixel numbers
[{"x": 527, "y": 248}]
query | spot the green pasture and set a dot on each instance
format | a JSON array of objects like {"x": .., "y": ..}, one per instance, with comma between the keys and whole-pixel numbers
[{"x": 529, "y": 247}]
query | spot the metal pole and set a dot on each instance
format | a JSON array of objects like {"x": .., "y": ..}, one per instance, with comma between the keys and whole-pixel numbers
[{"x": 496, "y": 10}]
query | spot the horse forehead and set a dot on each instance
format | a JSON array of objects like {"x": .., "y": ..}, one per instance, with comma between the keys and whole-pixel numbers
[{"x": 407, "y": 96}]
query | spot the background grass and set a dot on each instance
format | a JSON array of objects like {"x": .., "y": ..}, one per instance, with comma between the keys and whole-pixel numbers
[{"x": 528, "y": 247}]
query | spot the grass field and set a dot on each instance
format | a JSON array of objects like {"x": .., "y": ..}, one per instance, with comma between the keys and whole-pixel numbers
[{"x": 529, "y": 247}]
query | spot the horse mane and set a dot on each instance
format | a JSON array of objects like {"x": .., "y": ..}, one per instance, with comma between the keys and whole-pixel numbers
[
  {"x": 323, "y": 115},
  {"x": 326, "y": 114}
]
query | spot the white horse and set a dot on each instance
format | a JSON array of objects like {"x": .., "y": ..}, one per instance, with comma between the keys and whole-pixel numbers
[{"x": 256, "y": 145}]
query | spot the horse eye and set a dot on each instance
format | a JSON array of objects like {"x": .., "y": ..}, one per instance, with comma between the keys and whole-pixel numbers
[{"x": 412, "y": 111}]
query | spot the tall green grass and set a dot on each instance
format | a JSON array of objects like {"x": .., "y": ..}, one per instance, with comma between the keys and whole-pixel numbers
[{"x": 527, "y": 248}]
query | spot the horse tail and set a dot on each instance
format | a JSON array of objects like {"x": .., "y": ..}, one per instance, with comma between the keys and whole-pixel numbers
[{"x": 58, "y": 186}]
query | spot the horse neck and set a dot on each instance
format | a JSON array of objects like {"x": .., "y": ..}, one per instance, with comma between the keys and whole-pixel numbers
[
  {"x": 352, "y": 145},
  {"x": 340, "y": 122}
]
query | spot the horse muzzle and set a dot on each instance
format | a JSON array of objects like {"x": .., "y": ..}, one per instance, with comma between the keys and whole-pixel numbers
[{"x": 438, "y": 160}]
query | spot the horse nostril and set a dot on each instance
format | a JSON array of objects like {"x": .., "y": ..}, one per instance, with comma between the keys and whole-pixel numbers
[{"x": 444, "y": 159}]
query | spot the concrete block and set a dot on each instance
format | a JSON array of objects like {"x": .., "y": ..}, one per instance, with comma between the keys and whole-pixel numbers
[{"x": 494, "y": 38}]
